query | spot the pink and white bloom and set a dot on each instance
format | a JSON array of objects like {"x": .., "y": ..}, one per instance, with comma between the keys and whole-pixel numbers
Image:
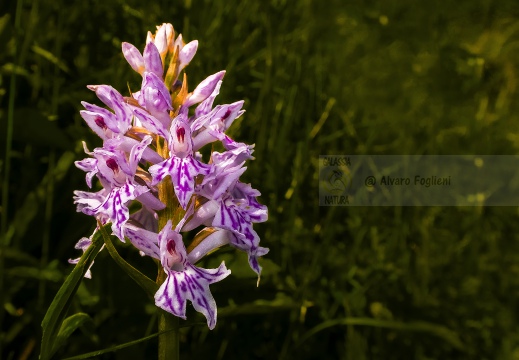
[{"x": 153, "y": 136}]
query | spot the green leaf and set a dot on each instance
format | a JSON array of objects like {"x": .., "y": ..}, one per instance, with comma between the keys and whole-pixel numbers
[
  {"x": 4, "y": 22},
  {"x": 68, "y": 327},
  {"x": 11, "y": 68},
  {"x": 35, "y": 198},
  {"x": 20, "y": 256},
  {"x": 149, "y": 286},
  {"x": 50, "y": 57},
  {"x": 58, "y": 308},
  {"x": 29, "y": 125},
  {"x": 35, "y": 273},
  {"x": 117, "y": 347},
  {"x": 419, "y": 326},
  {"x": 280, "y": 303},
  {"x": 84, "y": 296}
]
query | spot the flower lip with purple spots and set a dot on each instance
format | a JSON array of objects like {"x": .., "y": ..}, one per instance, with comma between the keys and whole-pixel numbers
[
  {"x": 100, "y": 122},
  {"x": 112, "y": 164},
  {"x": 181, "y": 132}
]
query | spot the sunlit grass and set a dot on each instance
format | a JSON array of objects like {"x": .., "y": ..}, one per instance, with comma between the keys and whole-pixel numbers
[{"x": 317, "y": 79}]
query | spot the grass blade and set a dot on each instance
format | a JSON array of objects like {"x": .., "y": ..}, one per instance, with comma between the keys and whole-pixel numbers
[
  {"x": 149, "y": 286},
  {"x": 58, "y": 308}
]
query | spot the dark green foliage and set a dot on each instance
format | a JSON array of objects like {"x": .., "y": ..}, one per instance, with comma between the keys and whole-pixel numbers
[{"x": 335, "y": 77}]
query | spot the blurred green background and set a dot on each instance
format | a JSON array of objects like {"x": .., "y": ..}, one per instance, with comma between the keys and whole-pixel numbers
[{"x": 335, "y": 77}]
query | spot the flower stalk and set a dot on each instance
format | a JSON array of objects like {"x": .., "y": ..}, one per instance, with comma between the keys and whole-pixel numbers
[
  {"x": 169, "y": 336},
  {"x": 155, "y": 185},
  {"x": 169, "y": 339}
]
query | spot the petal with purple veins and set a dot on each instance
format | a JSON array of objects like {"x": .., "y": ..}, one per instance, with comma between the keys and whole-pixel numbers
[
  {"x": 185, "y": 281},
  {"x": 187, "y": 53},
  {"x": 114, "y": 100},
  {"x": 152, "y": 59},
  {"x": 183, "y": 172},
  {"x": 151, "y": 123},
  {"x": 127, "y": 145},
  {"x": 112, "y": 164},
  {"x": 236, "y": 219},
  {"x": 216, "y": 123},
  {"x": 144, "y": 240},
  {"x": 89, "y": 202},
  {"x": 191, "y": 284},
  {"x": 180, "y": 140},
  {"x": 155, "y": 97},
  {"x": 237, "y": 148},
  {"x": 223, "y": 175},
  {"x": 136, "y": 154},
  {"x": 100, "y": 120},
  {"x": 114, "y": 206},
  {"x": 146, "y": 219},
  {"x": 233, "y": 218},
  {"x": 204, "y": 89},
  {"x": 203, "y": 214},
  {"x": 210, "y": 243},
  {"x": 161, "y": 40},
  {"x": 89, "y": 165},
  {"x": 150, "y": 201},
  {"x": 205, "y": 106},
  {"x": 253, "y": 252},
  {"x": 107, "y": 94},
  {"x": 97, "y": 123},
  {"x": 178, "y": 42},
  {"x": 172, "y": 249},
  {"x": 133, "y": 56},
  {"x": 253, "y": 259},
  {"x": 257, "y": 212},
  {"x": 83, "y": 245},
  {"x": 232, "y": 112}
]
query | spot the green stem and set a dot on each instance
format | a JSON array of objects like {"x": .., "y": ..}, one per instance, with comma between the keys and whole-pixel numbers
[
  {"x": 7, "y": 168},
  {"x": 169, "y": 348},
  {"x": 50, "y": 184},
  {"x": 46, "y": 227}
]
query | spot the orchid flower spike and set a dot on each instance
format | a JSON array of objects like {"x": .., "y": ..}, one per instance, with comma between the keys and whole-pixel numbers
[{"x": 151, "y": 141}]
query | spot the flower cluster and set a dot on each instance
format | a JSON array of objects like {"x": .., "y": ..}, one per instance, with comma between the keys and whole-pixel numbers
[{"x": 151, "y": 142}]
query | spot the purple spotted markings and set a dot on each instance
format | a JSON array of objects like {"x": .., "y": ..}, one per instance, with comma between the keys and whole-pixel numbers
[{"x": 153, "y": 136}]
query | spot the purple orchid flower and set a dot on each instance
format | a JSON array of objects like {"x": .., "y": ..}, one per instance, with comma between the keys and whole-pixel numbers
[
  {"x": 152, "y": 134},
  {"x": 185, "y": 281},
  {"x": 183, "y": 166},
  {"x": 116, "y": 174},
  {"x": 83, "y": 244}
]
